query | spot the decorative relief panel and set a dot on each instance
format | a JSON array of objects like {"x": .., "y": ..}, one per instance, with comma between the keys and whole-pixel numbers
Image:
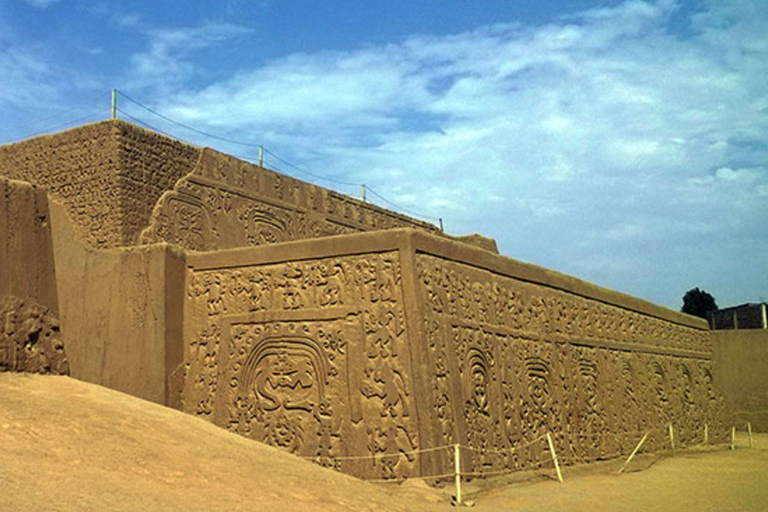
[
  {"x": 227, "y": 203},
  {"x": 310, "y": 356},
  {"x": 533, "y": 360}
]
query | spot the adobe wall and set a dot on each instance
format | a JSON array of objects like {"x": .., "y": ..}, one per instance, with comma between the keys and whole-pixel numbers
[
  {"x": 120, "y": 310},
  {"x": 26, "y": 248},
  {"x": 383, "y": 343},
  {"x": 123, "y": 185},
  {"x": 109, "y": 175},
  {"x": 305, "y": 346},
  {"x": 226, "y": 203},
  {"x": 514, "y": 351},
  {"x": 30, "y": 335},
  {"x": 741, "y": 358}
]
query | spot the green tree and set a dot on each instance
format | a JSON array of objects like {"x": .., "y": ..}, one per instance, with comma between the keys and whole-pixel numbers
[{"x": 698, "y": 303}]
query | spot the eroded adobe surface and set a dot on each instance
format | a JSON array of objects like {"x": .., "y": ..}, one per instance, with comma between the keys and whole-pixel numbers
[
  {"x": 226, "y": 202},
  {"x": 30, "y": 338},
  {"x": 118, "y": 180}
]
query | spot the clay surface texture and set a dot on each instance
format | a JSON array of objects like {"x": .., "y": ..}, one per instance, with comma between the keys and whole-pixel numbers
[{"x": 356, "y": 337}]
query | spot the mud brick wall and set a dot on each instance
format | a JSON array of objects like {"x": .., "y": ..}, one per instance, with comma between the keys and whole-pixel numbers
[
  {"x": 382, "y": 343},
  {"x": 108, "y": 175},
  {"x": 312, "y": 356},
  {"x": 511, "y": 360},
  {"x": 79, "y": 168},
  {"x": 226, "y": 203},
  {"x": 150, "y": 164},
  {"x": 26, "y": 248},
  {"x": 741, "y": 358},
  {"x": 123, "y": 185}
]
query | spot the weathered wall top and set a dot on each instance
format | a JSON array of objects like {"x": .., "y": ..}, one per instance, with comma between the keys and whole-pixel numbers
[
  {"x": 118, "y": 180},
  {"x": 426, "y": 243},
  {"x": 108, "y": 175}
]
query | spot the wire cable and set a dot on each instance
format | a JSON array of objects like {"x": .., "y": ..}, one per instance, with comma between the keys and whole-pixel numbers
[
  {"x": 267, "y": 151},
  {"x": 177, "y": 123},
  {"x": 398, "y": 207},
  {"x": 63, "y": 125},
  {"x": 304, "y": 171}
]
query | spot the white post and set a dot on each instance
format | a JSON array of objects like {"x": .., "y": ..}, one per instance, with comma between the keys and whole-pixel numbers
[
  {"x": 554, "y": 458},
  {"x": 706, "y": 433},
  {"x": 733, "y": 437},
  {"x": 261, "y": 156},
  {"x": 749, "y": 431},
  {"x": 114, "y": 103},
  {"x": 672, "y": 438},
  {"x": 457, "y": 472},
  {"x": 765, "y": 316},
  {"x": 634, "y": 452}
]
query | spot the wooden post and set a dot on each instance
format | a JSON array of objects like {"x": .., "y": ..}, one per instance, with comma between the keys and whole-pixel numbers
[
  {"x": 457, "y": 472},
  {"x": 634, "y": 452},
  {"x": 733, "y": 437},
  {"x": 554, "y": 458},
  {"x": 672, "y": 438},
  {"x": 749, "y": 431},
  {"x": 706, "y": 433}
]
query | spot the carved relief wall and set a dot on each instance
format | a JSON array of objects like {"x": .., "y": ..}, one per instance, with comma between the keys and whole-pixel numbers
[
  {"x": 226, "y": 202},
  {"x": 384, "y": 349},
  {"x": 529, "y": 359},
  {"x": 311, "y": 356},
  {"x": 108, "y": 175}
]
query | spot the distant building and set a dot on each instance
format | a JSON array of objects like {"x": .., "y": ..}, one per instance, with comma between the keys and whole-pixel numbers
[{"x": 744, "y": 316}]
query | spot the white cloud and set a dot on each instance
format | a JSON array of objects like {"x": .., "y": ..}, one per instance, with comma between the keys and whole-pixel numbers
[{"x": 168, "y": 61}]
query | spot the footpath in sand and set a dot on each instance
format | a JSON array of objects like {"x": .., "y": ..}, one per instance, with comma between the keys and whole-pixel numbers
[{"x": 69, "y": 446}]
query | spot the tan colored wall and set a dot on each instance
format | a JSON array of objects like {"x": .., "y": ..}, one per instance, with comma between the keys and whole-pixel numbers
[
  {"x": 111, "y": 177},
  {"x": 509, "y": 360},
  {"x": 108, "y": 175},
  {"x": 382, "y": 343},
  {"x": 30, "y": 336},
  {"x": 741, "y": 359},
  {"x": 26, "y": 249},
  {"x": 227, "y": 203},
  {"x": 120, "y": 311}
]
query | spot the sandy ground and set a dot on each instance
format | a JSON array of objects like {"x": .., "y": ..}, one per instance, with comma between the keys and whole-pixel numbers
[{"x": 66, "y": 445}]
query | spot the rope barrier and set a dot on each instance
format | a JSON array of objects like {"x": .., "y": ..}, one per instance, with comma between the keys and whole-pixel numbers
[
  {"x": 506, "y": 450},
  {"x": 458, "y": 474}
]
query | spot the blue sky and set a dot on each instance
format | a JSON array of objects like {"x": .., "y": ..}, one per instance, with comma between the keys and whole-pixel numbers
[{"x": 624, "y": 143}]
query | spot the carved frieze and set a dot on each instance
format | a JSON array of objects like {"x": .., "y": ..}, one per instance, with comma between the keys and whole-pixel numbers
[{"x": 311, "y": 356}]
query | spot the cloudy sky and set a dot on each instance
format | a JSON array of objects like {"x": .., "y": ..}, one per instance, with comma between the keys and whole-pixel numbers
[{"x": 625, "y": 143}]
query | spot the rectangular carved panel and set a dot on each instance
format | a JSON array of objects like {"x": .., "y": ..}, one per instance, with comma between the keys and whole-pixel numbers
[{"x": 311, "y": 356}]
